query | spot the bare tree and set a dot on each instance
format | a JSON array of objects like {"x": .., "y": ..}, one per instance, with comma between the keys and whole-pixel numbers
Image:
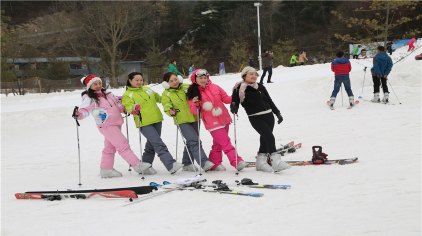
[{"x": 112, "y": 26}]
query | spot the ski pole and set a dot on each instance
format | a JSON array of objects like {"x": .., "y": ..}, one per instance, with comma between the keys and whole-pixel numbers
[
  {"x": 199, "y": 138},
  {"x": 364, "y": 76},
  {"x": 177, "y": 139},
  {"x": 127, "y": 135},
  {"x": 393, "y": 91},
  {"x": 77, "y": 136},
  {"x": 140, "y": 144},
  {"x": 341, "y": 87},
  {"x": 235, "y": 141},
  {"x": 186, "y": 146}
]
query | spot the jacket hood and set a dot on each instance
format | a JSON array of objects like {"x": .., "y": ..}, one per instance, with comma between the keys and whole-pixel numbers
[{"x": 193, "y": 77}]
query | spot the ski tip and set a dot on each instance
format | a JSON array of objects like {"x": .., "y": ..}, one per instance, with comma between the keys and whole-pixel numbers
[{"x": 256, "y": 194}]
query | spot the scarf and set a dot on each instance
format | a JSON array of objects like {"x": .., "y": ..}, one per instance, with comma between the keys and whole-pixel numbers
[{"x": 243, "y": 86}]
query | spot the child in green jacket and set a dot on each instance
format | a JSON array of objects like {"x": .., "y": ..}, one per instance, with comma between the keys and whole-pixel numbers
[
  {"x": 141, "y": 102},
  {"x": 175, "y": 103}
]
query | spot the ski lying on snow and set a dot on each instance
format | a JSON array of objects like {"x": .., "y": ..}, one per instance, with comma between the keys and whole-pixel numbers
[
  {"x": 307, "y": 163},
  {"x": 138, "y": 190},
  {"x": 59, "y": 196}
]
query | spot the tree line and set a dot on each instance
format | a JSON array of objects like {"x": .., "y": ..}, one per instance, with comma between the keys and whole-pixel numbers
[{"x": 201, "y": 32}]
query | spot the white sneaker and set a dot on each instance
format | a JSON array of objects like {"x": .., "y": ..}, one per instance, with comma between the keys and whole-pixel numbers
[
  {"x": 150, "y": 171},
  {"x": 262, "y": 164},
  {"x": 176, "y": 167},
  {"x": 142, "y": 166},
  {"x": 277, "y": 164},
  {"x": 106, "y": 173},
  {"x": 207, "y": 165},
  {"x": 190, "y": 168},
  {"x": 220, "y": 168},
  {"x": 241, "y": 165}
]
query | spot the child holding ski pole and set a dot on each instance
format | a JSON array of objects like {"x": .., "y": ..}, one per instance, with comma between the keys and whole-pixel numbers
[
  {"x": 260, "y": 108},
  {"x": 175, "y": 104},
  {"x": 207, "y": 100},
  {"x": 106, "y": 110},
  {"x": 142, "y": 101}
]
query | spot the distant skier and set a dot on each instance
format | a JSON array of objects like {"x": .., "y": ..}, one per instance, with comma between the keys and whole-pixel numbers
[
  {"x": 382, "y": 65},
  {"x": 390, "y": 48},
  {"x": 172, "y": 67},
  {"x": 411, "y": 44},
  {"x": 341, "y": 68},
  {"x": 356, "y": 51},
  {"x": 267, "y": 65},
  {"x": 191, "y": 69},
  {"x": 302, "y": 58},
  {"x": 293, "y": 60}
]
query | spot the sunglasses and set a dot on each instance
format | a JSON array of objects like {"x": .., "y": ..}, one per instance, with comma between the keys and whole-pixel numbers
[{"x": 202, "y": 72}]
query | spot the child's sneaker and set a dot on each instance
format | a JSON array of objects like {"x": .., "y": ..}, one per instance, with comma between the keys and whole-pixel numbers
[
  {"x": 107, "y": 173},
  {"x": 150, "y": 171},
  {"x": 190, "y": 168},
  {"x": 175, "y": 168},
  {"x": 220, "y": 168},
  {"x": 142, "y": 166},
  {"x": 241, "y": 165},
  {"x": 207, "y": 165}
]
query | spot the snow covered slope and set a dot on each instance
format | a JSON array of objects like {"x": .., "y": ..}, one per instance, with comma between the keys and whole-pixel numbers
[{"x": 379, "y": 195}]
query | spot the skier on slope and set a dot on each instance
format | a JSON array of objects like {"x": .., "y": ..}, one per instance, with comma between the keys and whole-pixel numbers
[
  {"x": 175, "y": 104},
  {"x": 142, "y": 101},
  {"x": 260, "y": 108},
  {"x": 411, "y": 44},
  {"x": 341, "y": 68},
  {"x": 382, "y": 65},
  {"x": 106, "y": 110}
]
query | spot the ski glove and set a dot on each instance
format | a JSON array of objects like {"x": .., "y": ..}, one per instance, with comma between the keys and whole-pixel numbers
[
  {"x": 234, "y": 108},
  {"x": 280, "y": 118},
  {"x": 136, "y": 109}
]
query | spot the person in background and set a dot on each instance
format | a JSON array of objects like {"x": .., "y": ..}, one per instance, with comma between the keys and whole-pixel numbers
[
  {"x": 293, "y": 60},
  {"x": 390, "y": 48},
  {"x": 260, "y": 108},
  {"x": 302, "y": 58},
  {"x": 141, "y": 101},
  {"x": 106, "y": 110},
  {"x": 356, "y": 51},
  {"x": 382, "y": 65},
  {"x": 208, "y": 99},
  {"x": 267, "y": 65},
  {"x": 191, "y": 69},
  {"x": 411, "y": 44},
  {"x": 341, "y": 68},
  {"x": 172, "y": 67}
]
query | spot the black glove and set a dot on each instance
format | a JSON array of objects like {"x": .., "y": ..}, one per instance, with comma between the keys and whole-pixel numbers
[
  {"x": 234, "y": 108},
  {"x": 280, "y": 118}
]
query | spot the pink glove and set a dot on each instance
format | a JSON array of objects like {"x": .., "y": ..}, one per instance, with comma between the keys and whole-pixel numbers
[{"x": 136, "y": 109}]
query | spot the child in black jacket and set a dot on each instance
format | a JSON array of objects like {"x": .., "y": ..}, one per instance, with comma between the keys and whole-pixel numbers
[{"x": 259, "y": 106}]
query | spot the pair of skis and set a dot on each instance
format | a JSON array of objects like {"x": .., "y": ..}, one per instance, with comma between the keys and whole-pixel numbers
[{"x": 112, "y": 193}]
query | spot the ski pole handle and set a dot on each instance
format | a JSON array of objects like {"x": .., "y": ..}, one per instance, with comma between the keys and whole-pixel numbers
[{"x": 75, "y": 116}]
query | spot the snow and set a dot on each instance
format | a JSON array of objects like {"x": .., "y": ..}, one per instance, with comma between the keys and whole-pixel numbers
[{"x": 379, "y": 195}]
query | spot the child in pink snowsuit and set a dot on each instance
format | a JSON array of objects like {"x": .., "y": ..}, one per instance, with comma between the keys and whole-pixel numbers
[
  {"x": 106, "y": 110},
  {"x": 209, "y": 99}
]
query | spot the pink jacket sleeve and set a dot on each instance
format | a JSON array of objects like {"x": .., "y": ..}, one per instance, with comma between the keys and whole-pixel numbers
[
  {"x": 192, "y": 107},
  {"x": 224, "y": 97}
]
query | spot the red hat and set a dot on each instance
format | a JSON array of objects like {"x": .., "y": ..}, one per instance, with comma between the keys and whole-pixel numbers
[{"x": 89, "y": 80}]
